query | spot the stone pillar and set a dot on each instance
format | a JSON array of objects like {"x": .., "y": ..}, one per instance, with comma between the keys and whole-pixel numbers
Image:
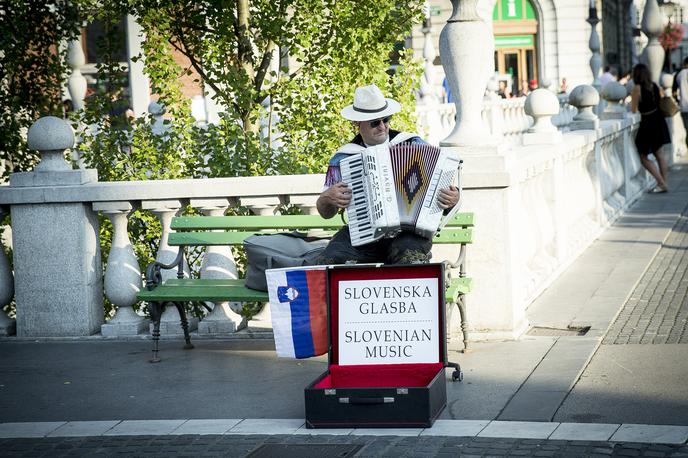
[
  {"x": 542, "y": 104},
  {"x": 122, "y": 274},
  {"x": 165, "y": 210},
  {"x": 652, "y": 26},
  {"x": 77, "y": 83},
  {"x": 467, "y": 51},
  {"x": 57, "y": 264},
  {"x": 585, "y": 98},
  {"x": 218, "y": 263},
  {"x": 7, "y": 325}
]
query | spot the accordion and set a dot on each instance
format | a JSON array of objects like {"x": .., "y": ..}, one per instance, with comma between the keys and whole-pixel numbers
[{"x": 395, "y": 188}]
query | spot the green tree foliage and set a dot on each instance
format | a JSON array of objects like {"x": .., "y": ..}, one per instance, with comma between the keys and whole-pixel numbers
[
  {"x": 333, "y": 45},
  {"x": 32, "y": 71}
]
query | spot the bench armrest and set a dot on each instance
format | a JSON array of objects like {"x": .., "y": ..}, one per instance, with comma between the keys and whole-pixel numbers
[{"x": 153, "y": 275}]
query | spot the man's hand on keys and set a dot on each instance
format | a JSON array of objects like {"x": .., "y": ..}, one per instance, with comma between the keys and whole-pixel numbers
[
  {"x": 338, "y": 195},
  {"x": 448, "y": 197}
]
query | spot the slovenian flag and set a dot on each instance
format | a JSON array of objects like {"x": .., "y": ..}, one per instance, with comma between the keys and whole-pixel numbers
[{"x": 299, "y": 310}]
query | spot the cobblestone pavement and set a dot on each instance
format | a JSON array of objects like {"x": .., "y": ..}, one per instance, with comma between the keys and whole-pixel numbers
[
  {"x": 657, "y": 310},
  {"x": 241, "y": 446}
]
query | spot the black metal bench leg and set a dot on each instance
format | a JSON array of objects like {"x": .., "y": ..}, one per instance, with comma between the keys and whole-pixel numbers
[
  {"x": 155, "y": 309},
  {"x": 185, "y": 325},
  {"x": 464, "y": 324}
]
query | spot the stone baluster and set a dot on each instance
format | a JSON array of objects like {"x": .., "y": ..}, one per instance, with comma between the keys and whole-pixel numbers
[
  {"x": 652, "y": 26},
  {"x": 614, "y": 93},
  {"x": 585, "y": 98},
  {"x": 218, "y": 263},
  {"x": 306, "y": 203},
  {"x": 7, "y": 325},
  {"x": 594, "y": 44},
  {"x": 165, "y": 210},
  {"x": 428, "y": 93},
  {"x": 77, "y": 83},
  {"x": 542, "y": 104},
  {"x": 157, "y": 111},
  {"x": 468, "y": 67},
  {"x": 526, "y": 119},
  {"x": 494, "y": 112},
  {"x": 261, "y": 205},
  {"x": 122, "y": 279}
]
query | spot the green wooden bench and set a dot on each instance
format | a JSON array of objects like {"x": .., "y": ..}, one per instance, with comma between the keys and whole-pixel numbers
[{"x": 232, "y": 230}]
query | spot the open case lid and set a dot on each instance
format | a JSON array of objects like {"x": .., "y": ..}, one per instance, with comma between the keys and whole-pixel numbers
[{"x": 390, "y": 314}]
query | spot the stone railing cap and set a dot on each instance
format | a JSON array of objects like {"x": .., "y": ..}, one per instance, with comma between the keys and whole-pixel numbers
[{"x": 50, "y": 134}]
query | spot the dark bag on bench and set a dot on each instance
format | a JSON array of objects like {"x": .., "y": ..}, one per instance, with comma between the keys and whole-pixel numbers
[{"x": 272, "y": 251}]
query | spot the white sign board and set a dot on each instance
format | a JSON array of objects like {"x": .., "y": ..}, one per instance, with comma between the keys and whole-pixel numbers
[{"x": 392, "y": 321}]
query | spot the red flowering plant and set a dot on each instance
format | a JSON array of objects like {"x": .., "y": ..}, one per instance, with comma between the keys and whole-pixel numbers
[{"x": 672, "y": 36}]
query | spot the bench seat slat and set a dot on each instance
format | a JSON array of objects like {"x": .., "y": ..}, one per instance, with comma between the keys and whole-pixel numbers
[
  {"x": 233, "y": 290},
  {"x": 213, "y": 293},
  {"x": 220, "y": 238}
]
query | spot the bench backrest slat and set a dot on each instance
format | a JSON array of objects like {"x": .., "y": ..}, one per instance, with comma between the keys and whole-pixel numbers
[
  {"x": 232, "y": 230},
  {"x": 254, "y": 223}
]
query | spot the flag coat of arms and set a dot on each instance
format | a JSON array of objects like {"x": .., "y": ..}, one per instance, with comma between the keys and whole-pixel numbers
[{"x": 299, "y": 310}]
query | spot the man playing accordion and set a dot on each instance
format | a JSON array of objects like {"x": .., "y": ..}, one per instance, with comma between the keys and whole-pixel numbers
[{"x": 371, "y": 113}]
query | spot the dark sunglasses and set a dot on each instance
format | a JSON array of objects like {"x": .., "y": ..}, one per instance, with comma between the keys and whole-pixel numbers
[{"x": 374, "y": 124}]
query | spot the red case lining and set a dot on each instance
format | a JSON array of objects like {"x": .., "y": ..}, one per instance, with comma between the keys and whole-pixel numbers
[{"x": 380, "y": 376}]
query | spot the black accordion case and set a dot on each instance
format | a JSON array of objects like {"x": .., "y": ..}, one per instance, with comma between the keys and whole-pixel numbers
[{"x": 387, "y": 349}]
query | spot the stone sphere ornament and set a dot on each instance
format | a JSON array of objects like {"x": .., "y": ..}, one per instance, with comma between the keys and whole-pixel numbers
[
  {"x": 584, "y": 97},
  {"x": 542, "y": 104},
  {"x": 50, "y": 136},
  {"x": 614, "y": 93}
]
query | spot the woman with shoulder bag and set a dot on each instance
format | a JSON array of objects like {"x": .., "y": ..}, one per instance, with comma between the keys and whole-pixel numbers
[{"x": 653, "y": 132}]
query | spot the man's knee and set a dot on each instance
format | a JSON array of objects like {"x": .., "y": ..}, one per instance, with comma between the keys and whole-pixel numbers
[{"x": 412, "y": 257}]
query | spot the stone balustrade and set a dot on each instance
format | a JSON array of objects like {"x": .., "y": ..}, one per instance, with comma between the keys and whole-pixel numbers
[
  {"x": 504, "y": 118},
  {"x": 537, "y": 206}
]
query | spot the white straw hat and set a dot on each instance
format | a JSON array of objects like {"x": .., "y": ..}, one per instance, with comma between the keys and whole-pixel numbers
[{"x": 369, "y": 104}]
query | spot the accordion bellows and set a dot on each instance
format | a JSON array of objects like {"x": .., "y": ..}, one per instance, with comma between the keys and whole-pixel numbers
[{"x": 395, "y": 188}]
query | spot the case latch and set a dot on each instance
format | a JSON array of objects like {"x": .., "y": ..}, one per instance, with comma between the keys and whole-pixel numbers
[{"x": 402, "y": 390}]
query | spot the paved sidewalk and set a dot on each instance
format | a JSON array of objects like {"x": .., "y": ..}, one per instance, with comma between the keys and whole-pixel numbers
[{"x": 330, "y": 446}]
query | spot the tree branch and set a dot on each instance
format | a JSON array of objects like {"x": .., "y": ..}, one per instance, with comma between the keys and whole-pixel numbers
[
  {"x": 264, "y": 65},
  {"x": 184, "y": 49}
]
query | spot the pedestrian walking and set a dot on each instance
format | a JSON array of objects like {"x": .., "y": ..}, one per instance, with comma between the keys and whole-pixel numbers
[
  {"x": 681, "y": 93},
  {"x": 653, "y": 132}
]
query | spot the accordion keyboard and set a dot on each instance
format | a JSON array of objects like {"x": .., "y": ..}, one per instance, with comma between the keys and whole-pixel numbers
[{"x": 360, "y": 222}]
